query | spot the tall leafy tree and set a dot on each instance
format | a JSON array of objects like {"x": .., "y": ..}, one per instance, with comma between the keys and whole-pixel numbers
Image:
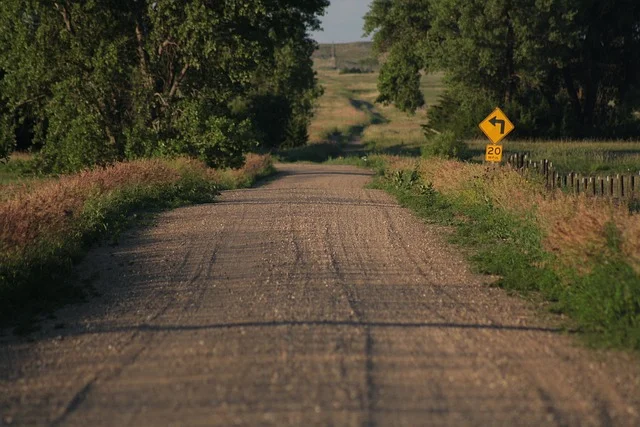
[
  {"x": 281, "y": 101},
  {"x": 400, "y": 33}
]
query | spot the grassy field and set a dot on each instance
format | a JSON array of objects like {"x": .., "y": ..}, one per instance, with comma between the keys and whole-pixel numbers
[
  {"x": 586, "y": 157},
  {"x": 348, "y": 107},
  {"x": 17, "y": 169}
]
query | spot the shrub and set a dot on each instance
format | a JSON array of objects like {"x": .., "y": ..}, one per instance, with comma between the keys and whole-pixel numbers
[
  {"x": 354, "y": 70},
  {"x": 445, "y": 145}
]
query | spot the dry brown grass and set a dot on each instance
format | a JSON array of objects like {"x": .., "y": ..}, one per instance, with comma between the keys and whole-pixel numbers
[
  {"x": 579, "y": 229},
  {"x": 254, "y": 166},
  {"x": 50, "y": 209}
]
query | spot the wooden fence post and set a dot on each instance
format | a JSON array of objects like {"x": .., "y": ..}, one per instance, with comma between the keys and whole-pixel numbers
[
  {"x": 610, "y": 184},
  {"x": 571, "y": 184},
  {"x": 601, "y": 186},
  {"x": 585, "y": 185}
]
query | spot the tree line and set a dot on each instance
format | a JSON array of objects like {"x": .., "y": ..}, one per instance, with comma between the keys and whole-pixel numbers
[
  {"x": 560, "y": 68},
  {"x": 89, "y": 82}
]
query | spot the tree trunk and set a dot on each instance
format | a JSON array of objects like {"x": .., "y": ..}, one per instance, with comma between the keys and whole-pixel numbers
[
  {"x": 143, "y": 58},
  {"x": 177, "y": 80},
  {"x": 573, "y": 93},
  {"x": 510, "y": 65},
  {"x": 66, "y": 17},
  {"x": 592, "y": 77}
]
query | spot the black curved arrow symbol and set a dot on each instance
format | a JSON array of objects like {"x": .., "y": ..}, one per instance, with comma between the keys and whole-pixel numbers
[{"x": 494, "y": 121}]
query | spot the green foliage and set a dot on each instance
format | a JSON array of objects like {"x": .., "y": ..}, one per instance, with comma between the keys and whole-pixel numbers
[
  {"x": 75, "y": 138},
  {"x": 7, "y": 135},
  {"x": 280, "y": 104},
  {"x": 607, "y": 301},
  {"x": 104, "y": 81},
  {"x": 399, "y": 80},
  {"x": 445, "y": 145},
  {"x": 557, "y": 67},
  {"x": 354, "y": 70},
  {"x": 218, "y": 141}
]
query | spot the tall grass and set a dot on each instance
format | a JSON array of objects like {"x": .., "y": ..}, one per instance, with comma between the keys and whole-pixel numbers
[
  {"x": 580, "y": 253},
  {"x": 46, "y": 226}
]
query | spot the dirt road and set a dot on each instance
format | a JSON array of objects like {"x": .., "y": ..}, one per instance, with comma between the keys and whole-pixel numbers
[{"x": 307, "y": 301}]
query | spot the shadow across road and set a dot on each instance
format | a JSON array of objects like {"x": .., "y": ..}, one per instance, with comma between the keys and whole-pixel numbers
[{"x": 313, "y": 323}]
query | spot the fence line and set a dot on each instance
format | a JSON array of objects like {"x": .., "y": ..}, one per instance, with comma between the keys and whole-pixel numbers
[{"x": 620, "y": 187}]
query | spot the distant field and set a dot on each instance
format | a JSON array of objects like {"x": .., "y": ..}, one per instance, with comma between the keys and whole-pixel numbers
[
  {"x": 586, "y": 157},
  {"x": 347, "y": 55},
  {"x": 348, "y": 107}
]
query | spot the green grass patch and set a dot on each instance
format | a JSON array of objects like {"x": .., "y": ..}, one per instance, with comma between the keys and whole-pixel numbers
[{"x": 19, "y": 168}]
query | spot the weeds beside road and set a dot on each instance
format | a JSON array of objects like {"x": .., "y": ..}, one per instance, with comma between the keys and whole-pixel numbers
[{"x": 46, "y": 226}]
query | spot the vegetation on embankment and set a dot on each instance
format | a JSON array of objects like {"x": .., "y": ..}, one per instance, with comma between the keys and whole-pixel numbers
[
  {"x": 582, "y": 254},
  {"x": 47, "y": 226}
]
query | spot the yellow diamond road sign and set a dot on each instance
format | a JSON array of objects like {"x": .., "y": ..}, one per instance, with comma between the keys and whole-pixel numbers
[{"x": 497, "y": 126}]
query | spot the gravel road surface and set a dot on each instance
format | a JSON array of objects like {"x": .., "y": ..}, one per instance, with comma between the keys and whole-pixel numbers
[{"x": 307, "y": 301}]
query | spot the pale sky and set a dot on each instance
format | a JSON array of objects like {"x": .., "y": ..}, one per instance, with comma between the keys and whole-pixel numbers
[{"x": 343, "y": 22}]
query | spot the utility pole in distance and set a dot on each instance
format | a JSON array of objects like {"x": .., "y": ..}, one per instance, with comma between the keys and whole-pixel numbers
[{"x": 333, "y": 56}]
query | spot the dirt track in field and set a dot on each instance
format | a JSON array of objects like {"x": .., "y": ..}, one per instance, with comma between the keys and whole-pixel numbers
[{"x": 307, "y": 301}]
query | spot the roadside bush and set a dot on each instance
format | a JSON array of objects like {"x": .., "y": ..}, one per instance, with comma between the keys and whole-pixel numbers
[
  {"x": 354, "y": 70},
  {"x": 445, "y": 145}
]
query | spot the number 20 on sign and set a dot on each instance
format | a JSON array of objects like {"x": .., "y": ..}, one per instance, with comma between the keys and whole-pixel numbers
[{"x": 493, "y": 153}]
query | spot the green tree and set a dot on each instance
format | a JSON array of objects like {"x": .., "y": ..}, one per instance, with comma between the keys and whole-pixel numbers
[
  {"x": 113, "y": 79},
  {"x": 559, "y": 67},
  {"x": 400, "y": 28},
  {"x": 281, "y": 101}
]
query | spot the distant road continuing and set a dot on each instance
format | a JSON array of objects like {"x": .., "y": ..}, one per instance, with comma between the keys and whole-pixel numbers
[{"x": 307, "y": 301}]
